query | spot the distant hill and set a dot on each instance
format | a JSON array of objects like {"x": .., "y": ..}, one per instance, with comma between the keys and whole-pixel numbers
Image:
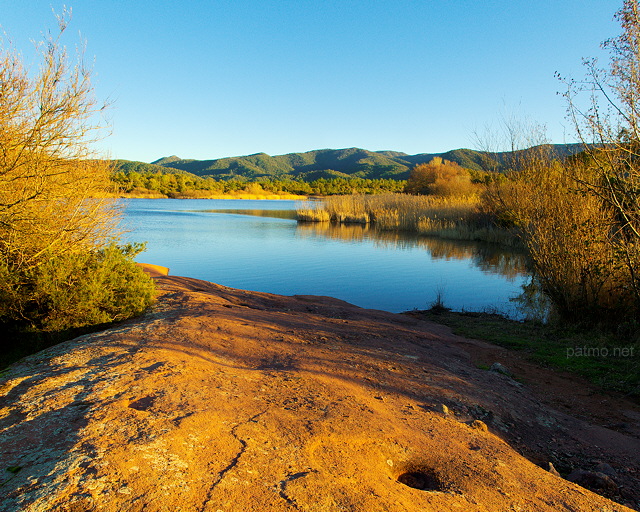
[
  {"x": 168, "y": 160},
  {"x": 329, "y": 163},
  {"x": 323, "y": 163},
  {"x": 128, "y": 166}
]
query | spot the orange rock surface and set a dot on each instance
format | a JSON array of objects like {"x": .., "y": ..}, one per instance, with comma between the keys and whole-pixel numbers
[{"x": 225, "y": 400}]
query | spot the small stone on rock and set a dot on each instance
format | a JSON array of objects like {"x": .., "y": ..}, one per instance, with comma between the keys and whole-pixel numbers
[
  {"x": 499, "y": 368},
  {"x": 479, "y": 425},
  {"x": 605, "y": 468},
  {"x": 443, "y": 409},
  {"x": 552, "y": 469}
]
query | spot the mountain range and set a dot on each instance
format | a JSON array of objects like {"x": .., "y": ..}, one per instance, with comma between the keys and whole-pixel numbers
[{"x": 328, "y": 163}]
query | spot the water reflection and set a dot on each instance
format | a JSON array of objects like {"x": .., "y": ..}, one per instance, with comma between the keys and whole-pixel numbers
[
  {"x": 274, "y": 214},
  {"x": 258, "y": 245},
  {"x": 490, "y": 258}
]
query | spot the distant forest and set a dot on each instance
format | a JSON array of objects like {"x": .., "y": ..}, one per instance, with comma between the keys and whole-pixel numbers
[{"x": 319, "y": 172}]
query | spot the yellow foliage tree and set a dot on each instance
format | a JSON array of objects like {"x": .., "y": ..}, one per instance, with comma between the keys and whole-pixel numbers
[
  {"x": 608, "y": 124},
  {"x": 440, "y": 177},
  {"x": 52, "y": 202},
  {"x": 46, "y": 174},
  {"x": 567, "y": 234}
]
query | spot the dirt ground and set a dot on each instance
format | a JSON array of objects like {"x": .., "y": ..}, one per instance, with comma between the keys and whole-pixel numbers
[{"x": 227, "y": 400}]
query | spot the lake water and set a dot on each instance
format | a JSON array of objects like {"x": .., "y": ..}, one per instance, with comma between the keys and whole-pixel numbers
[{"x": 258, "y": 245}]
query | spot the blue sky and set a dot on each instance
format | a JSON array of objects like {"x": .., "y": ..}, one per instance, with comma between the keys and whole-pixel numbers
[{"x": 207, "y": 79}]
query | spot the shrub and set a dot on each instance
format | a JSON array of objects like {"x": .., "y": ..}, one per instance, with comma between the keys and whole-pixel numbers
[
  {"x": 76, "y": 290},
  {"x": 440, "y": 178},
  {"x": 571, "y": 237}
]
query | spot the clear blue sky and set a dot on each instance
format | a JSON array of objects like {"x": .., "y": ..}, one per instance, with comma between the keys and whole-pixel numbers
[{"x": 207, "y": 79}]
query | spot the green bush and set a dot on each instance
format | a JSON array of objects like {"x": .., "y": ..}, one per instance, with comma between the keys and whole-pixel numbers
[{"x": 76, "y": 290}]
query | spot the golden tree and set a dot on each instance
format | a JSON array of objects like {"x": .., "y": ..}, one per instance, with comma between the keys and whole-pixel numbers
[
  {"x": 46, "y": 174},
  {"x": 440, "y": 177},
  {"x": 53, "y": 206},
  {"x": 609, "y": 127}
]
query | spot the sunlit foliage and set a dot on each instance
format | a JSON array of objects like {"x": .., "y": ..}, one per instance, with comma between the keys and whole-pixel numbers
[
  {"x": 440, "y": 178},
  {"x": 58, "y": 232}
]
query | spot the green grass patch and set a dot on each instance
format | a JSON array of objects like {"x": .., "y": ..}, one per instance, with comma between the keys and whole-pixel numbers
[{"x": 609, "y": 360}]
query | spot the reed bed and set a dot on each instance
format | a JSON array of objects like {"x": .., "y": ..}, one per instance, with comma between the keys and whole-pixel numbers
[{"x": 457, "y": 218}]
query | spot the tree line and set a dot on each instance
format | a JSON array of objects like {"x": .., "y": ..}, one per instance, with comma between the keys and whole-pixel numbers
[{"x": 188, "y": 185}]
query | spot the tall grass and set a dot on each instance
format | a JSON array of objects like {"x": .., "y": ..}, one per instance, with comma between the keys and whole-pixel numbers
[{"x": 457, "y": 218}]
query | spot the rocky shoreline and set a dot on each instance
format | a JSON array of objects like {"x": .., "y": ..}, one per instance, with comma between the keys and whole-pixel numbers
[{"x": 223, "y": 399}]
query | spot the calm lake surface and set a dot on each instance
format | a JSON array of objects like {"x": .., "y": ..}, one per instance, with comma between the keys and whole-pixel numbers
[{"x": 258, "y": 245}]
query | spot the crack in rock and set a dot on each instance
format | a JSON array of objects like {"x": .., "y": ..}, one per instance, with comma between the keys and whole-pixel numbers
[
  {"x": 234, "y": 460},
  {"x": 282, "y": 487}
]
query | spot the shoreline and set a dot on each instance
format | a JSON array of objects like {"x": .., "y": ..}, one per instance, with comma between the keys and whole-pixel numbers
[
  {"x": 536, "y": 342},
  {"x": 296, "y": 395},
  {"x": 154, "y": 270}
]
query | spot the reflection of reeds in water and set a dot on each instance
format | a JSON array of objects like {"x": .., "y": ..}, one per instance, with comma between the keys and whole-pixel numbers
[
  {"x": 275, "y": 214},
  {"x": 454, "y": 218},
  {"x": 487, "y": 257}
]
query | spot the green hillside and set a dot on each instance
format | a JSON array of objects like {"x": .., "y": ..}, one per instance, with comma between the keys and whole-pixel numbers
[
  {"x": 328, "y": 163},
  {"x": 352, "y": 162},
  {"x": 128, "y": 166}
]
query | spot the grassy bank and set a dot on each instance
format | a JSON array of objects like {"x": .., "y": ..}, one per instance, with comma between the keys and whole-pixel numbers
[
  {"x": 609, "y": 360},
  {"x": 457, "y": 218}
]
